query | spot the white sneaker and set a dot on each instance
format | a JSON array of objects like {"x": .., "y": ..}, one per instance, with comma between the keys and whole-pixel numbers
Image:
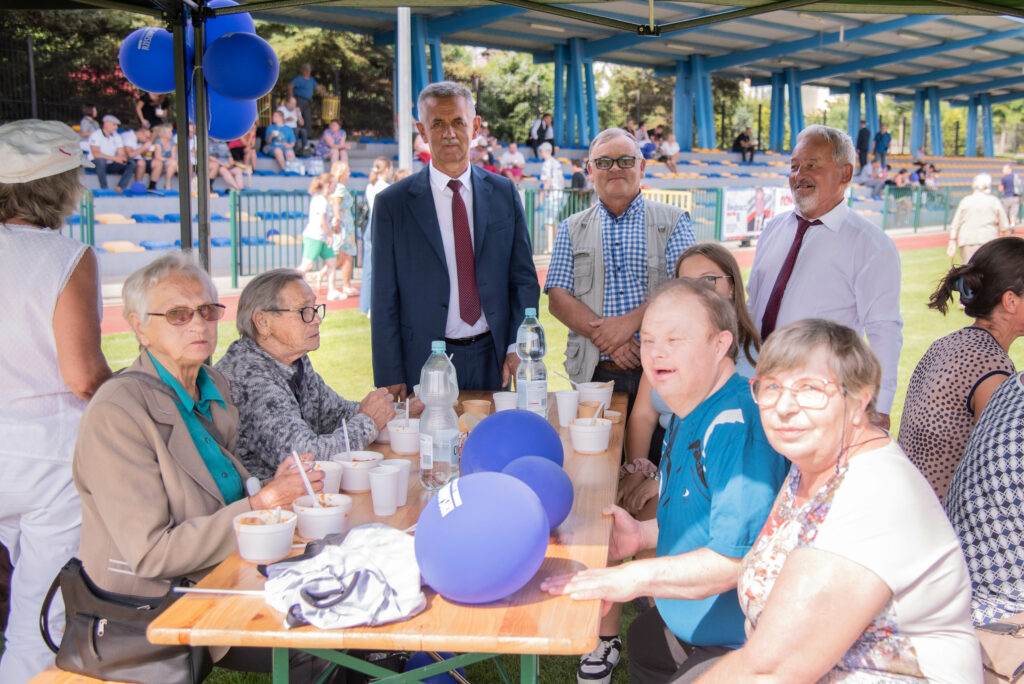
[
  {"x": 597, "y": 666},
  {"x": 336, "y": 295}
]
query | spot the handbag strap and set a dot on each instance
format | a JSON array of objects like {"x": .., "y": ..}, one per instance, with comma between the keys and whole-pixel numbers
[{"x": 44, "y": 613}]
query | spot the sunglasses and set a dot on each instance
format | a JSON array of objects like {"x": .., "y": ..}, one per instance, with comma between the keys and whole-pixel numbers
[
  {"x": 308, "y": 313},
  {"x": 182, "y": 315},
  {"x": 605, "y": 163}
]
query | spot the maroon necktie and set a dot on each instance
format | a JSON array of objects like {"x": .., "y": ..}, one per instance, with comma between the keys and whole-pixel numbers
[
  {"x": 469, "y": 298},
  {"x": 771, "y": 312}
]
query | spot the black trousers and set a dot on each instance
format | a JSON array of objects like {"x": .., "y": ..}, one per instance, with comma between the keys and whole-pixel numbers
[{"x": 657, "y": 656}]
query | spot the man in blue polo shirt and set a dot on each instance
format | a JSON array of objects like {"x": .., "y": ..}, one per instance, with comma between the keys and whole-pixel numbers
[
  {"x": 302, "y": 88},
  {"x": 719, "y": 477}
]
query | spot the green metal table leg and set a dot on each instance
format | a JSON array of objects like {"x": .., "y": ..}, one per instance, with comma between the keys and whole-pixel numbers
[
  {"x": 280, "y": 666},
  {"x": 529, "y": 669}
]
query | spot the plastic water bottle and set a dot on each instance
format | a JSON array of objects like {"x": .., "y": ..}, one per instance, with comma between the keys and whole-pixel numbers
[
  {"x": 532, "y": 375},
  {"x": 439, "y": 426}
]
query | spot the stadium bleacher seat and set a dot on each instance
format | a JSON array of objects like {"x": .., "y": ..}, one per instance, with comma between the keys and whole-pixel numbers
[
  {"x": 177, "y": 243},
  {"x": 147, "y": 218},
  {"x": 97, "y": 192},
  {"x": 172, "y": 218},
  {"x": 113, "y": 219},
  {"x": 220, "y": 242},
  {"x": 116, "y": 246},
  {"x": 155, "y": 245}
]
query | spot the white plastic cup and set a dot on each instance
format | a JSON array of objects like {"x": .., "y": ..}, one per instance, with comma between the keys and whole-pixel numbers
[
  {"x": 403, "y": 465},
  {"x": 503, "y": 401},
  {"x": 405, "y": 436},
  {"x": 596, "y": 391},
  {"x": 332, "y": 475},
  {"x": 590, "y": 438},
  {"x": 384, "y": 489},
  {"x": 353, "y": 473},
  {"x": 268, "y": 538},
  {"x": 331, "y": 517},
  {"x": 568, "y": 402}
]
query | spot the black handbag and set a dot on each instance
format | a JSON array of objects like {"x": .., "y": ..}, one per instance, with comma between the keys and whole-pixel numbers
[{"x": 105, "y": 636}]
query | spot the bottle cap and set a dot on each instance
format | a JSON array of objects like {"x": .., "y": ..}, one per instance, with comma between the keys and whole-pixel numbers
[
  {"x": 437, "y": 347},
  {"x": 531, "y": 313}
]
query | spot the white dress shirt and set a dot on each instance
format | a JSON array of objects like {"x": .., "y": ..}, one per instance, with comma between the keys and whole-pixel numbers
[
  {"x": 107, "y": 145},
  {"x": 847, "y": 271},
  {"x": 455, "y": 328}
]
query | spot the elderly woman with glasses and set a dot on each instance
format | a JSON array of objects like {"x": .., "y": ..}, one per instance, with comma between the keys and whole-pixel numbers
[
  {"x": 283, "y": 403},
  {"x": 857, "y": 574},
  {"x": 155, "y": 461}
]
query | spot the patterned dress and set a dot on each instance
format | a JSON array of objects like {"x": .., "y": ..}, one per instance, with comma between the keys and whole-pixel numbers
[
  {"x": 345, "y": 240},
  {"x": 937, "y": 417}
]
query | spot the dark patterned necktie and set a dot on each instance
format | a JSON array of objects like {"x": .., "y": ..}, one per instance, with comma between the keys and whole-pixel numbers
[
  {"x": 771, "y": 312},
  {"x": 469, "y": 297}
]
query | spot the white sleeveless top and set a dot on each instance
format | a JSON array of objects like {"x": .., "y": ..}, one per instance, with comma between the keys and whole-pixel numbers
[{"x": 39, "y": 414}]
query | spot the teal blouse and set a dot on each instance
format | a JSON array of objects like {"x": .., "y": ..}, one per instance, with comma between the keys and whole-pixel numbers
[{"x": 228, "y": 481}]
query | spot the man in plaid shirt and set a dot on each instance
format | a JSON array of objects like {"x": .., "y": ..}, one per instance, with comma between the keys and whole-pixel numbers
[{"x": 605, "y": 261}]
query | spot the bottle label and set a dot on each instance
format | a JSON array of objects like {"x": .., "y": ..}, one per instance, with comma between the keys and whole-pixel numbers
[
  {"x": 448, "y": 442},
  {"x": 536, "y": 394},
  {"x": 426, "y": 452}
]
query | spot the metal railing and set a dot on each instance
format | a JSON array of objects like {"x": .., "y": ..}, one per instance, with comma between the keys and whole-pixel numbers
[
  {"x": 81, "y": 225},
  {"x": 914, "y": 206}
]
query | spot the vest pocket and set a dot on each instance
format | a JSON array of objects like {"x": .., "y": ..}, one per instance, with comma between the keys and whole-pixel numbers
[
  {"x": 573, "y": 355},
  {"x": 583, "y": 273}
]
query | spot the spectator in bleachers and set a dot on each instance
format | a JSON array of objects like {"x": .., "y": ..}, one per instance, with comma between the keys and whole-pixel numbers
[
  {"x": 658, "y": 135},
  {"x": 109, "y": 154},
  {"x": 421, "y": 149},
  {"x": 882, "y": 140},
  {"x": 221, "y": 164},
  {"x": 669, "y": 151},
  {"x": 579, "y": 179},
  {"x": 630, "y": 127},
  {"x": 902, "y": 193},
  {"x": 512, "y": 163},
  {"x": 400, "y": 174},
  {"x": 919, "y": 157},
  {"x": 863, "y": 146},
  {"x": 279, "y": 141},
  {"x": 647, "y": 146},
  {"x": 552, "y": 181},
  {"x": 1011, "y": 196},
  {"x": 483, "y": 139},
  {"x": 141, "y": 146},
  {"x": 151, "y": 108},
  {"x": 979, "y": 217},
  {"x": 318, "y": 236},
  {"x": 873, "y": 178},
  {"x": 87, "y": 126},
  {"x": 541, "y": 132},
  {"x": 51, "y": 364},
  {"x": 930, "y": 177},
  {"x": 380, "y": 178},
  {"x": 166, "y": 152},
  {"x": 302, "y": 88},
  {"x": 332, "y": 146},
  {"x": 243, "y": 150},
  {"x": 343, "y": 225},
  {"x": 487, "y": 163},
  {"x": 955, "y": 378},
  {"x": 745, "y": 146},
  {"x": 293, "y": 120}
]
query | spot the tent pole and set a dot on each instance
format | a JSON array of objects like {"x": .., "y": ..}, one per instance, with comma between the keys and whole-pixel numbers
[
  {"x": 403, "y": 83},
  {"x": 179, "y": 22},
  {"x": 202, "y": 140}
]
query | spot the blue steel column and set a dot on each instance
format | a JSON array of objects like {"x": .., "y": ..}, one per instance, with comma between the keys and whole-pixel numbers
[
  {"x": 420, "y": 76},
  {"x": 870, "y": 107},
  {"x": 777, "y": 125},
  {"x": 917, "y": 122},
  {"x": 436, "y": 61},
  {"x": 572, "y": 79},
  {"x": 595, "y": 126},
  {"x": 558, "y": 115},
  {"x": 702, "y": 103},
  {"x": 796, "y": 105},
  {"x": 576, "y": 93},
  {"x": 971, "y": 147},
  {"x": 682, "y": 116},
  {"x": 987, "y": 137},
  {"x": 853, "y": 113},
  {"x": 935, "y": 114},
  {"x": 705, "y": 85}
]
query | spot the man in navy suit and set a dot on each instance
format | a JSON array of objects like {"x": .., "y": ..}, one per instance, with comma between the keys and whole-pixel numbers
[{"x": 451, "y": 258}]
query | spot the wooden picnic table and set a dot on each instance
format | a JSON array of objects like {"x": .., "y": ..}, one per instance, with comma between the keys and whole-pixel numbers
[{"x": 529, "y": 622}]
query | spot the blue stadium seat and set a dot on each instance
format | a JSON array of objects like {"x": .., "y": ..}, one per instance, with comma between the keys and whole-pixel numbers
[
  {"x": 177, "y": 243},
  {"x": 103, "y": 193},
  {"x": 153, "y": 245},
  {"x": 147, "y": 218},
  {"x": 172, "y": 218},
  {"x": 249, "y": 240},
  {"x": 220, "y": 242}
]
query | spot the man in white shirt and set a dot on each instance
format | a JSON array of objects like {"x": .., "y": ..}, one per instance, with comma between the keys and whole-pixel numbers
[
  {"x": 840, "y": 265},
  {"x": 109, "y": 155},
  {"x": 293, "y": 120},
  {"x": 669, "y": 152},
  {"x": 139, "y": 146},
  {"x": 541, "y": 132},
  {"x": 512, "y": 163}
]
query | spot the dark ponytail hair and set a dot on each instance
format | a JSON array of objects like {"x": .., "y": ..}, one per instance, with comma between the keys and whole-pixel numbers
[{"x": 996, "y": 267}]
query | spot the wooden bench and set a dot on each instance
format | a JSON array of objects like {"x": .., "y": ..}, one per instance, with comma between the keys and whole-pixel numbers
[{"x": 54, "y": 676}]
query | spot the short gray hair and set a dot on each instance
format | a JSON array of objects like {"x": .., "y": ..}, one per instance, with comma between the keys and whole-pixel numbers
[
  {"x": 136, "y": 288},
  {"x": 610, "y": 133},
  {"x": 444, "y": 89},
  {"x": 982, "y": 183},
  {"x": 261, "y": 295},
  {"x": 843, "y": 152}
]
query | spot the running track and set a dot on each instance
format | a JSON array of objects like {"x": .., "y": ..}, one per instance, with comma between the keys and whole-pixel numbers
[{"x": 113, "y": 322}]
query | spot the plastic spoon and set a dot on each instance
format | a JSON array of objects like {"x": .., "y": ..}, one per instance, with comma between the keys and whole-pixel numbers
[
  {"x": 600, "y": 409},
  {"x": 348, "y": 445},
  {"x": 305, "y": 480},
  {"x": 574, "y": 386}
]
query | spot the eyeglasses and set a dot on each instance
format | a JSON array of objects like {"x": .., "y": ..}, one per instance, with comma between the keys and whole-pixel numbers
[
  {"x": 710, "y": 279},
  {"x": 605, "y": 163},
  {"x": 308, "y": 313},
  {"x": 808, "y": 393},
  {"x": 183, "y": 315}
]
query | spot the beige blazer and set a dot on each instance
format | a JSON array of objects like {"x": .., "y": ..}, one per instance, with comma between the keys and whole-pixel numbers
[{"x": 150, "y": 508}]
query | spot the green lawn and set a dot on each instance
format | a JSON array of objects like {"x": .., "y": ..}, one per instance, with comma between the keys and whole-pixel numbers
[{"x": 344, "y": 361}]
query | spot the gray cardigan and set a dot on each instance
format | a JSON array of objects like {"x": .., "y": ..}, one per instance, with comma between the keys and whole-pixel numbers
[{"x": 272, "y": 422}]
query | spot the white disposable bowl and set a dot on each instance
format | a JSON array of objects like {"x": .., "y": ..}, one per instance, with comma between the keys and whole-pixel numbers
[
  {"x": 267, "y": 541},
  {"x": 331, "y": 517},
  {"x": 332, "y": 475},
  {"x": 590, "y": 439},
  {"x": 354, "y": 473},
  {"x": 593, "y": 391},
  {"x": 405, "y": 437}
]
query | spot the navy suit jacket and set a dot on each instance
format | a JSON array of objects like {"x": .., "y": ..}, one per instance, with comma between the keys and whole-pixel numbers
[{"x": 410, "y": 276}]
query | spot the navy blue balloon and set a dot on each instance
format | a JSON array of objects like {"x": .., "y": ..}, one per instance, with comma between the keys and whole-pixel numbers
[
  {"x": 227, "y": 23},
  {"x": 481, "y": 538},
  {"x": 502, "y": 437},
  {"x": 548, "y": 481},
  {"x": 229, "y": 119},
  {"x": 421, "y": 659},
  {"x": 241, "y": 66},
  {"x": 147, "y": 59}
]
